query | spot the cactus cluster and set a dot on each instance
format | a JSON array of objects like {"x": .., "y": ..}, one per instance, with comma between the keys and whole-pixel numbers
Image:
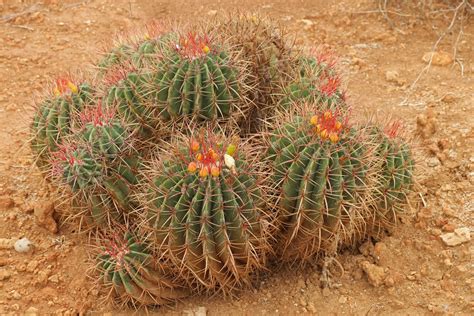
[{"x": 203, "y": 154}]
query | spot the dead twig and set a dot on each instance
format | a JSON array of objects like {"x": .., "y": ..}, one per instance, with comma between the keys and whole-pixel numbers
[{"x": 459, "y": 10}]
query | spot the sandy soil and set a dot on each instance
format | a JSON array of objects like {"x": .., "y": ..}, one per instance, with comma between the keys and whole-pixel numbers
[{"x": 411, "y": 272}]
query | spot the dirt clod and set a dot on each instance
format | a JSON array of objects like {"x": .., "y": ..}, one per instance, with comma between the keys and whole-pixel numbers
[
  {"x": 438, "y": 58},
  {"x": 375, "y": 274},
  {"x": 44, "y": 211}
]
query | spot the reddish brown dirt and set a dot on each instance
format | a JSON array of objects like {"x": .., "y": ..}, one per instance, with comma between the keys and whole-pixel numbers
[{"x": 414, "y": 272}]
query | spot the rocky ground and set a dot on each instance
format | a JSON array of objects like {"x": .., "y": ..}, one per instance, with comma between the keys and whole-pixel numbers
[{"x": 425, "y": 267}]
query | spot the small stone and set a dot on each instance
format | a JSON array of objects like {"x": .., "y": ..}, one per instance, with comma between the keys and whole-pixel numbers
[
  {"x": 6, "y": 203},
  {"x": 23, "y": 245},
  {"x": 394, "y": 77},
  {"x": 32, "y": 311},
  {"x": 212, "y": 12},
  {"x": 438, "y": 58},
  {"x": 54, "y": 278},
  {"x": 32, "y": 265},
  {"x": 16, "y": 295},
  {"x": 459, "y": 236},
  {"x": 4, "y": 274},
  {"x": 307, "y": 23},
  {"x": 311, "y": 308},
  {"x": 432, "y": 162},
  {"x": 375, "y": 274},
  {"x": 342, "y": 299},
  {"x": 44, "y": 211}
]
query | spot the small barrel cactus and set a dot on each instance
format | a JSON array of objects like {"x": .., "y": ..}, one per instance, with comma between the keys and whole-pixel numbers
[
  {"x": 317, "y": 81},
  {"x": 98, "y": 190},
  {"x": 320, "y": 174},
  {"x": 126, "y": 92},
  {"x": 195, "y": 78},
  {"x": 102, "y": 131},
  {"x": 206, "y": 210},
  {"x": 395, "y": 180},
  {"x": 134, "y": 275},
  {"x": 53, "y": 118}
]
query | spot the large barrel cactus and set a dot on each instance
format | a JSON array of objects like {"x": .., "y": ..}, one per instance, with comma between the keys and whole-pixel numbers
[
  {"x": 320, "y": 168},
  {"x": 54, "y": 116},
  {"x": 196, "y": 78},
  {"x": 133, "y": 273},
  {"x": 206, "y": 210}
]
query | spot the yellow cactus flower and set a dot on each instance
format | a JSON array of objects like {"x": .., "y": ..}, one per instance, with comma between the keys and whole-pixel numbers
[
  {"x": 314, "y": 120},
  {"x": 72, "y": 86},
  {"x": 205, "y": 49}
]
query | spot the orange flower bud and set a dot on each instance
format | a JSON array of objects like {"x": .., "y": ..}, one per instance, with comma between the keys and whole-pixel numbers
[
  {"x": 194, "y": 146},
  {"x": 192, "y": 167},
  {"x": 327, "y": 115},
  {"x": 314, "y": 120},
  {"x": 324, "y": 134},
  {"x": 205, "y": 49},
  {"x": 199, "y": 157},
  {"x": 203, "y": 172},
  {"x": 334, "y": 137},
  {"x": 213, "y": 154},
  {"x": 338, "y": 125},
  {"x": 215, "y": 171}
]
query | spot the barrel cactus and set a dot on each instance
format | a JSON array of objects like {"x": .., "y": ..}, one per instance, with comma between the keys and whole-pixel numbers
[
  {"x": 195, "y": 78},
  {"x": 205, "y": 208},
  {"x": 320, "y": 168},
  {"x": 317, "y": 81},
  {"x": 269, "y": 56},
  {"x": 99, "y": 165},
  {"x": 133, "y": 274},
  {"x": 54, "y": 116},
  {"x": 395, "y": 178}
]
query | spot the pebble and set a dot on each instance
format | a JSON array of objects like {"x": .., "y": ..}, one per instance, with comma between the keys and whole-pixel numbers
[
  {"x": 23, "y": 245},
  {"x": 394, "y": 77},
  {"x": 31, "y": 311},
  {"x": 459, "y": 236},
  {"x": 432, "y": 162},
  {"x": 342, "y": 299},
  {"x": 4, "y": 274}
]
